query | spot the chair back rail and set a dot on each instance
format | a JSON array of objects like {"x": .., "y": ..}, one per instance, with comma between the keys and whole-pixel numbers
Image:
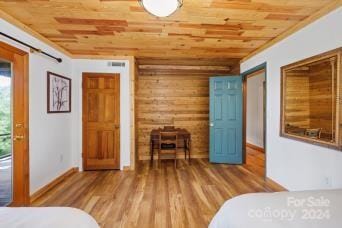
[{"x": 168, "y": 144}]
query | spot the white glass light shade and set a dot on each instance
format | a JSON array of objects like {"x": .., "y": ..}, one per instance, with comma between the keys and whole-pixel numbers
[{"x": 161, "y": 8}]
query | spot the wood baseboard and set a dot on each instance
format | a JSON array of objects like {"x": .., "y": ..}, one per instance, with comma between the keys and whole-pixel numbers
[
  {"x": 254, "y": 147},
  {"x": 179, "y": 156},
  {"x": 53, "y": 183},
  {"x": 275, "y": 185},
  {"x": 127, "y": 168}
]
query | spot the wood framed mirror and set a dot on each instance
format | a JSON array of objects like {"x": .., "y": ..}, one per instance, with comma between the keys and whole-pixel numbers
[{"x": 311, "y": 108}]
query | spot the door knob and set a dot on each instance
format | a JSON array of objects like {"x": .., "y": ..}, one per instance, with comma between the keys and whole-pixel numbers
[
  {"x": 18, "y": 137},
  {"x": 211, "y": 124}
]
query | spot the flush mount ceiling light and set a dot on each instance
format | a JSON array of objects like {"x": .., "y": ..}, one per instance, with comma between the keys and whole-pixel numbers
[{"x": 161, "y": 8}]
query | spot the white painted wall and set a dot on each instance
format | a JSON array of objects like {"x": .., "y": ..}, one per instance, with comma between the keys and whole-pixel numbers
[
  {"x": 255, "y": 112},
  {"x": 298, "y": 165},
  {"x": 50, "y": 134},
  {"x": 56, "y": 139},
  {"x": 101, "y": 66}
]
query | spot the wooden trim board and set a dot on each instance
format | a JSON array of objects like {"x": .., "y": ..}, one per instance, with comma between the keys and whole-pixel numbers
[
  {"x": 255, "y": 147},
  {"x": 312, "y": 18},
  {"x": 127, "y": 168},
  {"x": 273, "y": 184},
  {"x": 179, "y": 156},
  {"x": 244, "y": 120},
  {"x": 53, "y": 183},
  {"x": 32, "y": 32},
  {"x": 258, "y": 72},
  {"x": 337, "y": 145},
  {"x": 132, "y": 81},
  {"x": 325, "y": 10},
  {"x": 253, "y": 71},
  {"x": 105, "y": 57}
]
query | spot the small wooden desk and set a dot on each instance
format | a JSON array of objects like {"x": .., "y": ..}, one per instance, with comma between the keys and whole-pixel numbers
[{"x": 184, "y": 140}]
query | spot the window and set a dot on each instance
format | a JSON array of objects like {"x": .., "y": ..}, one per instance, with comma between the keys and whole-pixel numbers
[{"x": 311, "y": 104}]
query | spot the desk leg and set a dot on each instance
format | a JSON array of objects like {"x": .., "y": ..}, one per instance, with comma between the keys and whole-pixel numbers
[
  {"x": 189, "y": 151},
  {"x": 151, "y": 150},
  {"x": 185, "y": 148}
]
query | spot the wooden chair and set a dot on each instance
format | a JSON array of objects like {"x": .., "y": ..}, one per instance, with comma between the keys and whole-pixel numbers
[
  {"x": 313, "y": 132},
  {"x": 168, "y": 145},
  {"x": 169, "y": 128}
]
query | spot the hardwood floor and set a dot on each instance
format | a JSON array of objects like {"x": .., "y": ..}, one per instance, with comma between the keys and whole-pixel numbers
[
  {"x": 255, "y": 161},
  {"x": 5, "y": 181},
  {"x": 188, "y": 196}
]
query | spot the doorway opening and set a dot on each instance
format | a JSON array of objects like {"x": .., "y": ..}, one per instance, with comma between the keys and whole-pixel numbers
[
  {"x": 255, "y": 121},
  {"x": 14, "y": 162}
]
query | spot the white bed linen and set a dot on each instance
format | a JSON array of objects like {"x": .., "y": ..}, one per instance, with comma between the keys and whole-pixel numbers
[
  {"x": 306, "y": 209},
  {"x": 45, "y": 217}
]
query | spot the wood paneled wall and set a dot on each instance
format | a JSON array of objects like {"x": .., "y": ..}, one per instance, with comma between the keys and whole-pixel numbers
[
  {"x": 175, "y": 91},
  {"x": 310, "y": 96},
  {"x": 322, "y": 97},
  {"x": 297, "y": 111},
  {"x": 182, "y": 101}
]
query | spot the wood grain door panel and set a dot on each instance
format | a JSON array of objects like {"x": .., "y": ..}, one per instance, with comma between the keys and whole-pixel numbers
[{"x": 101, "y": 121}]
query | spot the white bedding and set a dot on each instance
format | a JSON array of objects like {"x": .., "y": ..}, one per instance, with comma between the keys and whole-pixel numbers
[
  {"x": 45, "y": 217},
  {"x": 307, "y": 209}
]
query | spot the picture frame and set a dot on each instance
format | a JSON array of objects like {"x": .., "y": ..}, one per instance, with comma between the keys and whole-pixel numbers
[
  {"x": 58, "y": 93},
  {"x": 313, "y": 134}
]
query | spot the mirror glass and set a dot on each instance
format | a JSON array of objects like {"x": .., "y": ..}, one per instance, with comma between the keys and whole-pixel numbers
[{"x": 310, "y": 94}]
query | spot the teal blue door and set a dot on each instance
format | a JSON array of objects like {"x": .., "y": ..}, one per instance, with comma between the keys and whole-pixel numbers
[{"x": 226, "y": 120}]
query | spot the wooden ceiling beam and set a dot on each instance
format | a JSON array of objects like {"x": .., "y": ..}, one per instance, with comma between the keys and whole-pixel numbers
[
  {"x": 184, "y": 73},
  {"x": 188, "y": 61},
  {"x": 179, "y": 67}
]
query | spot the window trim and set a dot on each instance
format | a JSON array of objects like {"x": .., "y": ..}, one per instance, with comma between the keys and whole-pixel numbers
[{"x": 338, "y": 140}]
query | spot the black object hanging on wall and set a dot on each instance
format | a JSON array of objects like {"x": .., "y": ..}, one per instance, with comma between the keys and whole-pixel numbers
[{"x": 31, "y": 47}]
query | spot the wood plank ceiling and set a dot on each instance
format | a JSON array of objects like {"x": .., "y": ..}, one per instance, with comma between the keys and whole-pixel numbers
[{"x": 200, "y": 29}]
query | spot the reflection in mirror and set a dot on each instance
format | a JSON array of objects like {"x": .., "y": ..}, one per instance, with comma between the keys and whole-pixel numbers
[
  {"x": 5, "y": 134},
  {"x": 310, "y": 94}
]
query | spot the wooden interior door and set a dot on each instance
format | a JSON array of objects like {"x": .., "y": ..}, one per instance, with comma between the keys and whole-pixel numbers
[{"x": 101, "y": 121}]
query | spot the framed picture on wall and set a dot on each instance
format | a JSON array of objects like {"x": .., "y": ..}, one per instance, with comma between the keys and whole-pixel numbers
[{"x": 58, "y": 93}]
